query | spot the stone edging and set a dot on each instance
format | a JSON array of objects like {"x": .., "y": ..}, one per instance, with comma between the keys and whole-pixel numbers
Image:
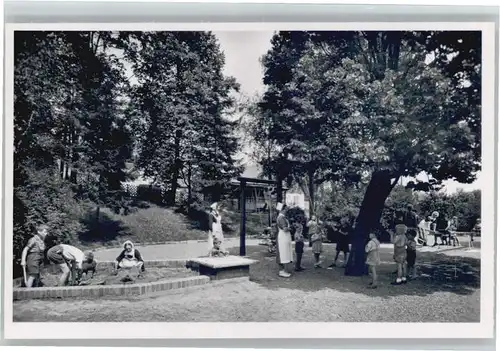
[{"x": 108, "y": 290}]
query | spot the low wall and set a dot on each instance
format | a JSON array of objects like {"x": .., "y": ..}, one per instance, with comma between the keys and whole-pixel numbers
[
  {"x": 20, "y": 293},
  {"x": 107, "y": 290}
]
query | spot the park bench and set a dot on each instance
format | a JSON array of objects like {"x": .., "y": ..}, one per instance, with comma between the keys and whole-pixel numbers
[{"x": 218, "y": 268}]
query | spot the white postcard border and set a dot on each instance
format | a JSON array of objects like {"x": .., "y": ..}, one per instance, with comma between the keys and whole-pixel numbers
[{"x": 484, "y": 329}]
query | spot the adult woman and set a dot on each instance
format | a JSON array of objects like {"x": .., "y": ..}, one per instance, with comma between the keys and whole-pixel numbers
[
  {"x": 32, "y": 256},
  {"x": 129, "y": 258},
  {"x": 285, "y": 247},
  {"x": 215, "y": 227},
  {"x": 433, "y": 228},
  {"x": 424, "y": 228}
]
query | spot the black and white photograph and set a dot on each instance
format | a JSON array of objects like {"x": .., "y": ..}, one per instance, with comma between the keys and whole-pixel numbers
[{"x": 266, "y": 174}]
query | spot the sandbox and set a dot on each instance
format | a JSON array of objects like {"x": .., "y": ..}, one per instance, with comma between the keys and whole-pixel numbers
[
  {"x": 218, "y": 268},
  {"x": 159, "y": 276}
]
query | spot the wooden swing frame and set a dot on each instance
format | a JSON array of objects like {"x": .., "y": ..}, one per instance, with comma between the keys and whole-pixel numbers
[{"x": 243, "y": 182}]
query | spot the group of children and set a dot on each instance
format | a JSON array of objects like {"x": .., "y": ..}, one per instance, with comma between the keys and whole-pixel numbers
[
  {"x": 73, "y": 262},
  {"x": 405, "y": 252}
]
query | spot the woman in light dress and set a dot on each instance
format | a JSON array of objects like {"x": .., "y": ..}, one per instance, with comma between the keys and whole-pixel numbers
[
  {"x": 285, "y": 247},
  {"x": 215, "y": 227}
]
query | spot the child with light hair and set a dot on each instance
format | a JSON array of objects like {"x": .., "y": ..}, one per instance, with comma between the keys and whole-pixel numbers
[
  {"x": 372, "y": 250},
  {"x": 399, "y": 240},
  {"x": 217, "y": 251},
  {"x": 33, "y": 255}
]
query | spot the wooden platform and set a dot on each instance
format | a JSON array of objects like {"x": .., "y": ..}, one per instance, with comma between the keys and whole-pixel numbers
[{"x": 218, "y": 268}]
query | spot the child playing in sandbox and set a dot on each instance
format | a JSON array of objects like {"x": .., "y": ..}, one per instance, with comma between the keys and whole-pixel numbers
[
  {"x": 216, "y": 250},
  {"x": 130, "y": 258},
  {"x": 70, "y": 259}
]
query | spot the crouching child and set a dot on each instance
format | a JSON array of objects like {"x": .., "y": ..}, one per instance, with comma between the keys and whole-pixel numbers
[{"x": 130, "y": 258}]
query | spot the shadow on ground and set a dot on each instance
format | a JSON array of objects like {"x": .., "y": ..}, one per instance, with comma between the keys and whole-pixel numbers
[
  {"x": 105, "y": 231},
  {"x": 437, "y": 272}
]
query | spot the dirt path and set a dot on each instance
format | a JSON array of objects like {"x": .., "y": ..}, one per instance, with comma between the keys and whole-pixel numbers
[{"x": 315, "y": 295}]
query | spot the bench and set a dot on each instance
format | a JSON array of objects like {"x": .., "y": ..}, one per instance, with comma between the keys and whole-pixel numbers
[{"x": 218, "y": 268}]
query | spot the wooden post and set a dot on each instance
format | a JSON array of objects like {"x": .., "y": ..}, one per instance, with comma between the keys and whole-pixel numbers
[{"x": 243, "y": 218}]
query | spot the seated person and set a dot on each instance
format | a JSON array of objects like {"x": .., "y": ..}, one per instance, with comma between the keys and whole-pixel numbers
[
  {"x": 476, "y": 231},
  {"x": 216, "y": 249},
  {"x": 129, "y": 258},
  {"x": 70, "y": 259}
]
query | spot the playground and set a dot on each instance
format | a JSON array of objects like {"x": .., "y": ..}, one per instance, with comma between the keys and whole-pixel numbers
[
  {"x": 365, "y": 143},
  {"x": 447, "y": 290}
]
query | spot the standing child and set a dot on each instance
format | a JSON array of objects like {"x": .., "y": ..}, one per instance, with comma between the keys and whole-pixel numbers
[
  {"x": 342, "y": 243},
  {"x": 316, "y": 240},
  {"x": 411, "y": 255},
  {"x": 32, "y": 257},
  {"x": 372, "y": 250},
  {"x": 299, "y": 246},
  {"x": 398, "y": 238}
]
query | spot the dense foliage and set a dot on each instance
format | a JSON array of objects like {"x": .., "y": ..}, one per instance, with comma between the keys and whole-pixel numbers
[
  {"x": 90, "y": 104},
  {"x": 375, "y": 107}
]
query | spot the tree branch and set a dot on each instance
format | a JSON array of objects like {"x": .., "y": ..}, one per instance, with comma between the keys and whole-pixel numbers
[{"x": 26, "y": 130}]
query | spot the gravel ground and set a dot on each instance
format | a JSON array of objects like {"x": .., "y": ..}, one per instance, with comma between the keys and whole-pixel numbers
[{"x": 447, "y": 291}]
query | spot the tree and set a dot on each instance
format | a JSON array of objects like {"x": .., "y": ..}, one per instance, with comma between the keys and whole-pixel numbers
[
  {"x": 294, "y": 115},
  {"x": 395, "y": 115},
  {"x": 71, "y": 138},
  {"x": 184, "y": 99}
]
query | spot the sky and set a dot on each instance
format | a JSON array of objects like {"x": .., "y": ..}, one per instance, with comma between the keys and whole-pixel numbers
[{"x": 243, "y": 51}]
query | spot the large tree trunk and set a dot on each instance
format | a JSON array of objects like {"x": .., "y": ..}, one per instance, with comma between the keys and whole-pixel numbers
[{"x": 378, "y": 190}]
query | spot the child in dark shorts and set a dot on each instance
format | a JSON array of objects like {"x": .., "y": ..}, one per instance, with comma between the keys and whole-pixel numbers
[
  {"x": 411, "y": 255},
  {"x": 342, "y": 246},
  {"x": 89, "y": 265},
  {"x": 299, "y": 246}
]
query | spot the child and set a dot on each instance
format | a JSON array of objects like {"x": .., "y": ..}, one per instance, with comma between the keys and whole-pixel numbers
[
  {"x": 89, "y": 265},
  {"x": 69, "y": 259},
  {"x": 129, "y": 258},
  {"x": 32, "y": 257},
  {"x": 216, "y": 249},
  {"x": 342, "y": 244},
  {"x": 411, "y": 255},
  {"x": 398, "y": 238},
  {"x": 373, "y": 258},
  {"x": 299, "y": 246},
  {"x": 315, "y": 239}
]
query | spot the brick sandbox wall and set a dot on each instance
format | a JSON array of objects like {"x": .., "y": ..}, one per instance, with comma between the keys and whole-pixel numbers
[{"x": 113, "y": 290}]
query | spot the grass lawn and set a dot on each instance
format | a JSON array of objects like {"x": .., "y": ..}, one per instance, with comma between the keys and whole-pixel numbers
[
  {"x": 153, "y": 224},
  {"x": 158, "y": 224},
  {"x": 448, "y": 291}
]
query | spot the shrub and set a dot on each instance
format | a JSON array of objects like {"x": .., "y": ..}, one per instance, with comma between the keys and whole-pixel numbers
[{"x": 44, "y": 198}]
